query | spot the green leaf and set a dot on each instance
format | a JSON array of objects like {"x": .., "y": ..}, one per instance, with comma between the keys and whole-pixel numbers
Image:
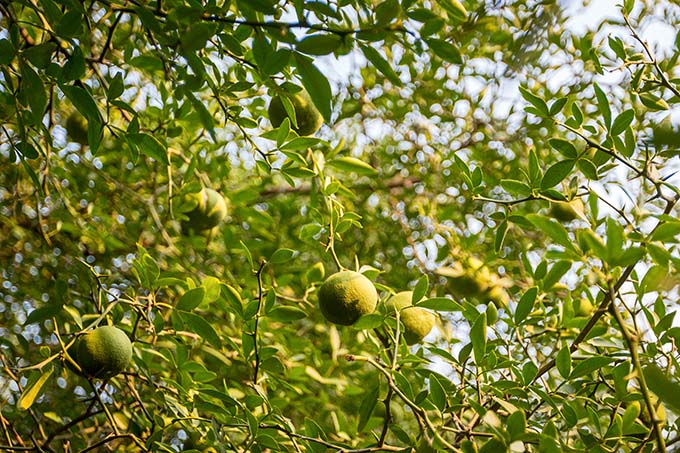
[
  {"x": 654, "y": 102},
  {"x": 420, "y": 290},
  {"x": 534, "y": 100},
  {"x": 603, "y": 106},
  {"x": 368, "y": 403},
  {"x": 526, "y": 304},
  {"x": 40, "y": 55},
  {"x": 666, "y": 389},
  {"x": 553, "y": 229},
  {"x": 556, "y": 173},
  {"x": 282, "y": 256},
  {"x": 286, "y": 314},
  {"x": 666, "y": 232},
  {"x": 437, "y": 393},
  {"x": 352, "y": 164},
  {"x": 33, "y": 91},
  {"x": 563, "y": 362},
  {"x": 590, "y": 365},
  {"x": 622, "y": 122},
  {"x": 194, "y": 38},
  {"x": 440, "y": 304},
  {"x": 149, "y": 146},
  {"x": 191, "y": 299},
  {"x": 83, "y": 102},
  {"x": 200, "y": 326},
  {"x": 7, "y": 52},
  {"x": 445, "y": 50},
  {"x": 32, "y": 390},
  {"x": 321, "y": 44},
  {"x": 478, "y": 338},
  {"x": 515, "y": 188},
  {"x": 316, "y": 85},
  {"x": 567, "y": 149},
  {"x": 368, "y": 321},
  {"x": 517, "y": 424},
  {"x": 377, "y": 60}
]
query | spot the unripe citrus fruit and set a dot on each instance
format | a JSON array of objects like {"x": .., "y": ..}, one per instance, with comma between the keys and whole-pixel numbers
[
  {"x": 76, "y": 128},
  {"x": 103, "y": 352},
  {"x": 345, "y": 296},
  {"x": 417, "y": 321},
  {"x": 308, "y": 118},
  {"x": 583, "y": 307},
  {"x": 210, "y": 210},
  {"x": 566, "y": 211}
]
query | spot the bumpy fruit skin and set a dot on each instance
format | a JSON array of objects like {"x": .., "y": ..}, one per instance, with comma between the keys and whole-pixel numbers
[
  {"x": 76, "y": 128},
  {"x": 103, "y": 352},
  {"x": 309, "y": 120},
  {"x": 345, "y": 296},
  {"x": 417, "y": 321},
  {"x": 210, "y": 210},
  {"x": 566, "y": 211}
]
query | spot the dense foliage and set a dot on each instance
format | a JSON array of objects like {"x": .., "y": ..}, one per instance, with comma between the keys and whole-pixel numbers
[{"x": 513, "y": 168}]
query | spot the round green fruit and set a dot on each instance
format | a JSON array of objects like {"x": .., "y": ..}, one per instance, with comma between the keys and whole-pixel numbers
[
  {"x": 346, "y": 296},
  {"x": 566, "y": 211},
  {"x": 644, "y": 413},
  {"x": 76, "y": 128},
  {"x": 417, "y": 321},
  {"x": 103, "y": 352},
  {"x": 309, "y": 120},
  {"x": 583, "y": 307},
  {"x": 210, "y": 209}
]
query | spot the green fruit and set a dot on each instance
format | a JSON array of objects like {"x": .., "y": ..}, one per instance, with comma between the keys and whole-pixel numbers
[
  {"x": 417, "y": 321},
  {"x": 468, "y": 279},
  {"x": 309, "y": 120},
  {"x": 641, "y": 407},
  {"x": 583, "y": 307},
  {"x": 103, "y": 352},
  {"x": 76, "y": 128},
  {"x": 345, "y": 296},
  {"x": 566, "y": 211},
  {"x": 498, "y": 296},
  {"x": 210, "y": 209}
]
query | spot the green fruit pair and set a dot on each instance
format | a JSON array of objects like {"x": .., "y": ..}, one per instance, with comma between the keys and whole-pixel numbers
[
  {"x": 208, "y": 211},
  {"x": 102, "y": 353},
  {"x": 417, "y": 321},
  {"x": 346, "y": 296},
  {"x": 308, "y": 118}
]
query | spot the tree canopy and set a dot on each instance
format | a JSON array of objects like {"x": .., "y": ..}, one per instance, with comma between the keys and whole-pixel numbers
[{"x": 165, "y": 171}]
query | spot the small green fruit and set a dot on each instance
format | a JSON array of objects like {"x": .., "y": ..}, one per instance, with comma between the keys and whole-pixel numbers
[
  {"x": 346, "y": 296},
  {"x": 583, "y": 307},
  {"x": 309, "y": 120},
  {"x": 103, "y": 352},
  {"x": 566, "y": 211},
  {"x": 417, "y": 321},
  {"x": 76, "y": 128},
  {"x": 210, "y": 209}
]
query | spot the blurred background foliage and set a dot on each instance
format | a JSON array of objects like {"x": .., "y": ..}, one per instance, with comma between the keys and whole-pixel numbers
[{"x": 451, "y": 128}]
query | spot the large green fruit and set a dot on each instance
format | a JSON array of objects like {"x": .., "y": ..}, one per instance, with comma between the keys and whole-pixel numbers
[
  {"x": 76, "y": 128},
  {"x": 103, "y": 352},
  {"x": 309, "y": 120},
  {"x": 345, "y": 296},
  {"x": 210, "y": 209},
  {"x": 417, "y": 321}
]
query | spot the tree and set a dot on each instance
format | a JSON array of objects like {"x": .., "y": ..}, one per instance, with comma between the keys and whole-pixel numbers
[{"x": 454, "y": 131}]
